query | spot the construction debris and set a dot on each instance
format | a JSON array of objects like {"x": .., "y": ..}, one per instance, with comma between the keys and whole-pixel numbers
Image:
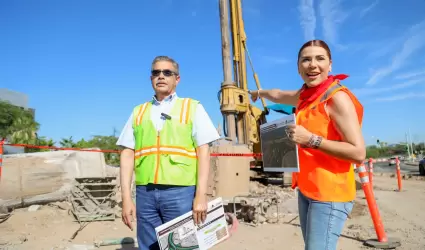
[
  {"x": 4, "y": 217},
  {"x": 50, "y": 226},
  {"x": 93, "y": 199},
  {"x": 265, "y": 204},
  {"x": 45, "y": 177},
  {"x": 119, "y": 241}
]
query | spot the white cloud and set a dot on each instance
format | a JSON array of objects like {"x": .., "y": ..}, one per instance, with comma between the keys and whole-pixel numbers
[
  {"x": 418, "y": 27},
  {"x": 307, "y": 18},
  {"x": 413, "y": 43},
  {"x": 372, "y": 91},
  {"x": 380, "y": 51},
  {"x": 400, "y": 97},
  {"x": 332, "y": 16},
  {"x": 411, "y": 74},
  {"x": 364, "y": 11}
]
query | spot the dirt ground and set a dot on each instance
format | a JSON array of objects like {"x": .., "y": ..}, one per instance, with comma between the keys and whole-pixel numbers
[{"x": 403, "y": 216}]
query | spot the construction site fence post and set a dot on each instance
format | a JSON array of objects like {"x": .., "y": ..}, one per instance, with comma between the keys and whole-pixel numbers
[
  {"x": 371, "y": 172},
  {"x": 1, "y": 156},
  {"x": 397, "y": 164},
  {"x": 371, "y": 203},
  {"x": 383, "y": 242}
]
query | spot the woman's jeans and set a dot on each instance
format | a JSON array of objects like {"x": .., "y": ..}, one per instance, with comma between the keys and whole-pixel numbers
[{"x": 322, "y": 222}]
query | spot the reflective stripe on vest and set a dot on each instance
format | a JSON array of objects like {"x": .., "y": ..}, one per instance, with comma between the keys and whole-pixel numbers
[
  {"x": 185, "y": 114},
  {"x": 169, "y": 156},
  {"x": 323, "y": 177},
  {"x": 165, "y": 150},
  {"x": 329, "y": 91},
  {"x": 140, "y": 113}
]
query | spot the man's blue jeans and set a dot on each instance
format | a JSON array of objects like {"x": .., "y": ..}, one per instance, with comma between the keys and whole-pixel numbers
[
  {"x": 322, "y": 222},
  {"x": 156, "y": 205}
]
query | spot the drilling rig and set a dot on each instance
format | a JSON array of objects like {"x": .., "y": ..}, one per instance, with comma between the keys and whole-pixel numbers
[
  {"x": 240, "y": 118},
  {"x": 230, "y": 175}
]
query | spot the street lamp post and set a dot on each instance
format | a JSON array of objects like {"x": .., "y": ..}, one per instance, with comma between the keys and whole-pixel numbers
[{"x": 408, "y": 148}]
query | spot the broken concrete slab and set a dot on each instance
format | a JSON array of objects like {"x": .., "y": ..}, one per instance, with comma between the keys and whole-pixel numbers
[{"x": 46, "y": 176}]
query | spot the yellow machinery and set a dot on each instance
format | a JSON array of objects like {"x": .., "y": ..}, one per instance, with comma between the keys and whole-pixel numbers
[
  {"x": 230, "y": 175},
  {"x": 241, "y": 119},
  {"x": 231, "y": 168}
]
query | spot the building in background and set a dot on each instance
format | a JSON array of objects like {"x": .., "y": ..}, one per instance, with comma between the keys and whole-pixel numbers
[
  {"x": 16, "y": 98},
  {"x": 20, "y": 100}
]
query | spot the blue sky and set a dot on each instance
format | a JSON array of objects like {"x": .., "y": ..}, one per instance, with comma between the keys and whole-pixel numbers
[{"x": 85, "y": 64}]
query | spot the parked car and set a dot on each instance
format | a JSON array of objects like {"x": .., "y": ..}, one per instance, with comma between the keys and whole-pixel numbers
[
  {"x": 391, "y": 161},
  {"x": 422, "y": 167}
]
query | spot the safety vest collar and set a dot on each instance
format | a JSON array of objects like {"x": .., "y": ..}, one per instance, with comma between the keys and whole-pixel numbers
[
  {"x": 183, "y": 110},
  {"x": 169, "y": 98}
]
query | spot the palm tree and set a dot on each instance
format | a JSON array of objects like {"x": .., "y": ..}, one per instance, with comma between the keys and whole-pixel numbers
[
  {"x": 16, "y": 124},
  {"x": 67, "y": 142},
  {"x": 25, "y": 129}
]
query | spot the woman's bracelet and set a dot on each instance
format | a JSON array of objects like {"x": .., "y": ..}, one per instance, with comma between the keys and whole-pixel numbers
[{"x": 314, "y": 141}]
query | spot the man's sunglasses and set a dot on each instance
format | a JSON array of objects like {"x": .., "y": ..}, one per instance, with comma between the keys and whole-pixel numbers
[{"x": 166, "y": 72}]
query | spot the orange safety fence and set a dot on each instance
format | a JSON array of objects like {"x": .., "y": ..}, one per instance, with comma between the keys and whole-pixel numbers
[
  {"x": 100, "y": 150},
  {"x": 58, "y": 148},
  {"x": 118, "y": 151},
  {"x": 398, "y": 171}
]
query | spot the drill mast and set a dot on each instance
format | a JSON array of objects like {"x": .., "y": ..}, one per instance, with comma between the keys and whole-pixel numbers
[{"x": 241, "y": 119}]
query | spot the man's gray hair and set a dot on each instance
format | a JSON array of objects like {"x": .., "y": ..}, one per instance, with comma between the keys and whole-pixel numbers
[{"x": 168, "y": 59}]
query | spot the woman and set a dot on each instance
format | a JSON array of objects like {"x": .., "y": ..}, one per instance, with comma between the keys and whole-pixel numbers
[{"x": 328, "y": 133}]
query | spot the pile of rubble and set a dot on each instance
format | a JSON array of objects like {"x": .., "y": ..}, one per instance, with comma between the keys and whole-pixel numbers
[{"x": 265, "y": 204}]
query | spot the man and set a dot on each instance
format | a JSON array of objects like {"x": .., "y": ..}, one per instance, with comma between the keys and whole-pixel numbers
[{"x": 165, "y": 142}]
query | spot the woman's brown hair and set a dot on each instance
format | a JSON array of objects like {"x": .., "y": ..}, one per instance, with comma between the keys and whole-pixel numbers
[{"x": 318, "y": 43}]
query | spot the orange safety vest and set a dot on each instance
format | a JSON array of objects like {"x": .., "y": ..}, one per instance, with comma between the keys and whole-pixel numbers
[{"x": 323, "y": 177}]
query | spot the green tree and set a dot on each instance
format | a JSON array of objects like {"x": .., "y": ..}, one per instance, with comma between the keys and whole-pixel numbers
[
  {"x": 16, "y": 124},
  {"x": 106, "y": 143},
  {"x": 372, "y": 152},
  {"x": 386, "y": 151},
  {"x": 83, "y": 144},
  {"x": 67, "y": 143},
  {"x": 418, "y": 148},
  {"x": 41, "y": 141},
  {"x": 98, "y": 141}
]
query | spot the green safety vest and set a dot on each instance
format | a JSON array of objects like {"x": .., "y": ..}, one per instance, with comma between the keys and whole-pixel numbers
[{"x": 168, "y": 156}]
